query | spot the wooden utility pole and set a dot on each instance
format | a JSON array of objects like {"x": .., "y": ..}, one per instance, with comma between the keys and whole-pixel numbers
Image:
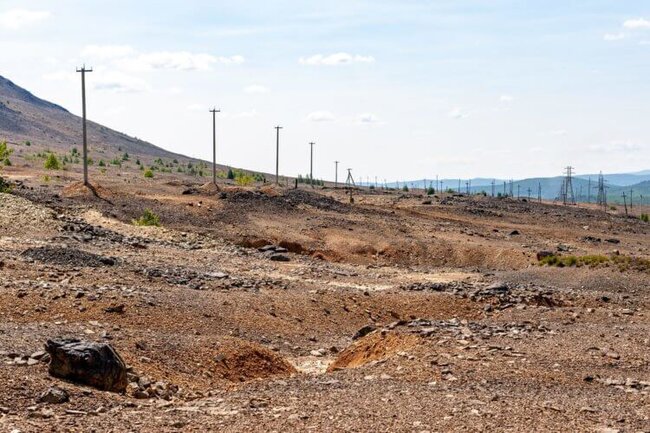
[
  {"x": 625, "y": 202},
  {"x": 311, "y": 162},
  {"x": 83, "y": 71},
  {"x": 214, "y": 112},
  {"x": 336, "y": 174},
  {"x": 277, "y": 154}
]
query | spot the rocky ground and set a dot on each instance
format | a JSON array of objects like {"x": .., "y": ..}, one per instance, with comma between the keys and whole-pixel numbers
[{"x": 269, "y": 309}]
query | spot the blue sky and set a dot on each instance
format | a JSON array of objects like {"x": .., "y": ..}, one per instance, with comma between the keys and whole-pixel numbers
[{"x": 393, "y": 89}]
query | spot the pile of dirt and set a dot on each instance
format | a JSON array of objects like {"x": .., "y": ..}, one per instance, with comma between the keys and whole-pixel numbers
[
  {"x": 209, "y": 188},
  {"x": 79, "y": 190},
  {"x": 241, "y": 361},
  {"x": 290, "y": 199},
  {"x": 375, "y": 346},
  {"x": 65, "y": 256},
  {"x": 21, "y": 216}
]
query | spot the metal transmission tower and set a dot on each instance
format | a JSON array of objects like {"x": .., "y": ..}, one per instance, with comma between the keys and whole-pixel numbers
[
  {"x": 349, "y": 182},
  {"x": 529, "y": 191},
  {"x": 83, "y": 71},
  {"x": 277, "y": 155},
  {"x": 518, "y": 188},
  {"x": 336, "y": 174},
  {"x": 602, "y": 195},
  {"x": 311, "y": 163},
  {"x": 504, "y": 189},
  {"x": 624, "y": 202},
  {"x": 589, "y": 190},
  {"x": 214, "y": 112},
  {"x": 566, "y": 194},
  {"x": 539, "y": 192},
  {"x": 493, "y": 186},
  {"x": 512, "y": 194}
]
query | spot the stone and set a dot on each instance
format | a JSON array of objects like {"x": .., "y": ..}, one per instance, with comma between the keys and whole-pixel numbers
[
  {"x": 54, "y": 395},
  {"x": 115, "y": 309},
  {"x": 363, "y": 332},
  {"x": 94, "y": 364},
  {"x": 279, "y": 258}
]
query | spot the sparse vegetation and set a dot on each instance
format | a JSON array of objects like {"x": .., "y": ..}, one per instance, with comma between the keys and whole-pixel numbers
[
  {"x": 52, "y": 162},
  {"x": 5, "y": 153},
  {"x": 148, "y": 218},
  {"x": 623, "y": 263}
]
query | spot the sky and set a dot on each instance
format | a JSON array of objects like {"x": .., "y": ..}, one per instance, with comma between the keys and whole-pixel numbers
[{"x": 399, "y": 90}]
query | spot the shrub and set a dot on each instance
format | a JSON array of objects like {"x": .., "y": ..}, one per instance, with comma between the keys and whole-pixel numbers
[
  {"x": 4, "y": 185},
  {"x": 244, "y": 180},
  {"x": 28, "y": 143},
  {"x": 405, "y": 188},
  {"x": 101, "y": 163},
  {"x": 148, "y": 218},
  {"x": 645, "y": 217},
  {"x": 148, "y": 173},
  {"x": 431, "y": 191},
  {"x": 231, "y": 174},
  {"x": 5, "y": 153},
  {"x": 52, "y": 162}
]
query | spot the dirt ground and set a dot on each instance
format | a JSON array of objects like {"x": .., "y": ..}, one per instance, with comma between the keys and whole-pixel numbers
[{"x": 399, "y": 312}]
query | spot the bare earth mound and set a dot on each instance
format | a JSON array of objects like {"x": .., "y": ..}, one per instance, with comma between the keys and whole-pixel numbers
[
  {"x": 373, "y": 347},
  {"x": 240, "y": 361}
]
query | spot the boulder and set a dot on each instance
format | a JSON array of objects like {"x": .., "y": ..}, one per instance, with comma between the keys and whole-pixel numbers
[{"x": 94, "y": 364}]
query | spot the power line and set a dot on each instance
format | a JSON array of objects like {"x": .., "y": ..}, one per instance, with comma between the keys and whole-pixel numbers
[{"x": 83, "y": 71}]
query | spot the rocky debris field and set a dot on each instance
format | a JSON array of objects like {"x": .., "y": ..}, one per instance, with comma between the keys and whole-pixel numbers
[{"x": 263, "y": 309}]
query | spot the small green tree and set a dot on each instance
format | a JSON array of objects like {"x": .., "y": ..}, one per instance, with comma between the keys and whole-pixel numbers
[
  {"x": 231, "y": 174},
  {"x": 148, "y": 218},
  {"x": 430, "y": 190},
  {"x": 5, "y": 153},
  {"x": 148, "y": 173},
  {"x": 52, "y": 162},
  {"x": 405, "y": 188}
]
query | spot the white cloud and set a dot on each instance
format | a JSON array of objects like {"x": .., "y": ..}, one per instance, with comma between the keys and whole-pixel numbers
[
  {"x": 558, "y": 132},
  {"x": 197, "y": 107},
  {"x": 458, "y": 113},
  {"x": 106, "y": 52},
  {"x": 506, "y": 98},
  {"x": 15, "y": 19},
  {"x": 60, "y": 76},
  {"x": 335, "y": 59},
  {"x": 118, "y": 82},
  {"x": 368, "y": 118},
  {"x": 128, "y": 58},
  {"x": 179, "y": 60},
  {"x": 256, "y": 89},
  {"x": 637, "y": 23},
  {"x": 614, "y": 36},
  {"x": 320, "y": 116},
  {"x": 618, "y": 146}
]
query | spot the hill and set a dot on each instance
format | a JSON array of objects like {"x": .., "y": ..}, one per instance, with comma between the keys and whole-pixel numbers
[{"x": 26, "y": 118}]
